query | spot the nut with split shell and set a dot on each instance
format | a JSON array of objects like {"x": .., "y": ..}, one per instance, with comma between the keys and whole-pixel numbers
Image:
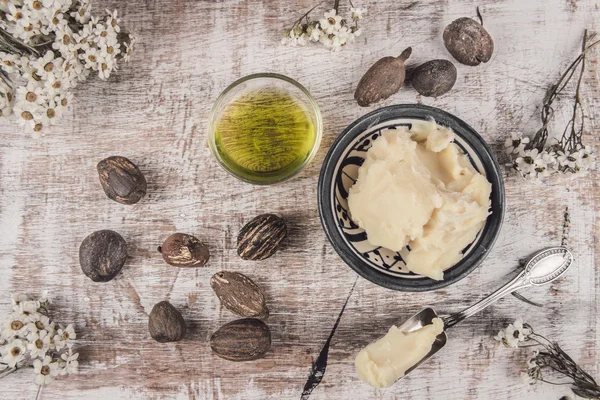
[
  {"x": 239, "y": 294},
  {"x": 182, "y": 250},
  {"x": 260, "y": 238},
  {"x": 242, "y": 340},
  {"x": 121, "y": 180}
]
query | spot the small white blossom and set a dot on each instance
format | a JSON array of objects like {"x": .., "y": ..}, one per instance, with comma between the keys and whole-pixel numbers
[
  {"x": 113, "y": 21},
  {"x": 39, "y": 344},
  {"x": 358, "y": 13},
  {"x": 14, "y": 352},
  {"x": 45, "y": 370},
  {"x": 513, "y": 334},
  {"x": 526, "y": 378},
  {"x": 331, "y": 22},
  {"x": 71, "y": 363},
  {"x": 516, "y": 144}
]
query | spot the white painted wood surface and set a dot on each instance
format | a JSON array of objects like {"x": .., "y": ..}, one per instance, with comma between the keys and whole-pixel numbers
[{"x": 155, "y": 112}]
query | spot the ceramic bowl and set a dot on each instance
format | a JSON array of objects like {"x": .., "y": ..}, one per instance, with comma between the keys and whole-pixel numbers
[{"x": 340, "y": 170}]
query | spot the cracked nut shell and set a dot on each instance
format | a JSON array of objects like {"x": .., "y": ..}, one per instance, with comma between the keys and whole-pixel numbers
[
  {"x": 468, "y": 41},
  {"x": 121, "y": 180},
  {"x": 102, "y": 255},
  {"x": 165, "y": 323},
  {"x": 260, "y": 238},
  {"x": 239, "y": 294},
  {"x": 242, "y": 340},
  {"x": 182, "y": 250},
  {"x": 434, "y": 78}
]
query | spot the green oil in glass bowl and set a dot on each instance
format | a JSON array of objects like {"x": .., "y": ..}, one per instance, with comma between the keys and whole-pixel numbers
[{"x": 265, "y": 129}]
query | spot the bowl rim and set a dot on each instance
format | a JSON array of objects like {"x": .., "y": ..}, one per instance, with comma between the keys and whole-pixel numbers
[
  {"x": 489, "y": 162},
  {"x": 212, "y": 121}
]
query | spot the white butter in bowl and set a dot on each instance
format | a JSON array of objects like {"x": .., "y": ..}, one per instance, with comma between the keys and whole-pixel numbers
[
  {"x": 416, "y": 188},
  {"x": 386, "y": 360}
]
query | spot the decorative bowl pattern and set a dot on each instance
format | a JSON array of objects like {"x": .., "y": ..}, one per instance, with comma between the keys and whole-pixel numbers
[{"x": 340, "y": 169}]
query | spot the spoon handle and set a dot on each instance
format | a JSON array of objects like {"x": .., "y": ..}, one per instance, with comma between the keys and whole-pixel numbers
[
  {"x": 519, "y": 282},
  {"x": 544, "y": 267}
]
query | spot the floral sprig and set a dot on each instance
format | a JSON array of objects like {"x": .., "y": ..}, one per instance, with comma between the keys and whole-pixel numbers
[
  {"x": 550, "y": 359},
  {"x": 540, "y": 157},
  {"x": 46, "y": 48},
  {"x": 332, "y": 31},
  {"x": 30, "y": 339}
]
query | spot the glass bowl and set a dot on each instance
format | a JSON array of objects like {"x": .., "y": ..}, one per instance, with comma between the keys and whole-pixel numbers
[{"x": 248, "y": 86}]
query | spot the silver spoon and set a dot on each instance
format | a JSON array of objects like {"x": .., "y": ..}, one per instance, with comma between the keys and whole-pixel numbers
[{"x": 543, "y": 267}]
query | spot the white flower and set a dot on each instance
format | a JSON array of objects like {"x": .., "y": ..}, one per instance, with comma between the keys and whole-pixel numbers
[
  {"x": 67, "y": 333},
  {"x": 128, "y": 48},
  {"x": 31, "y": 95},
  {"x": 90, "y": 57},
  {"x": 113, "y": 21},
  {"x": 314, "y": 32},
  {"x": 331, "y": 22},
  {"x": 527, "y": 379},
  {"x": 40, "y": 324},
  {"x": 64, "y": 42},
  {"x": 45, "y": 371},
  {"x": 83, "y": 13},
  {"x": 516, "y": 144},
  {"x": 71, "y": 363},
  {"x": 6, "y": 100},
  {"x": 17, "y": 298},
  {"x": 15, "y": 326},
  {"x": 17, "y": 14},
  {"x": 10, "y": 63},
  {"x": 46, "y": 64},
  {"x": 39, "y": 344},
  {"x": 513, "y": 334},
  {"x": 14, "y": 352},
  {"x": 358, "y": 13}
]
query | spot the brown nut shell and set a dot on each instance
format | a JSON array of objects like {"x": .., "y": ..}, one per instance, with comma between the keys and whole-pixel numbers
[
  {"x": 382, "y": 80},
  {"x": 239, "y": 294},
  {"x": 242, "y": 340},
  {"x": 121, "y": 180},
  {"x": 434, "y": 78},
  {"x": 182, "y": 250},
  {"x": 468, "y": 41},
  {"x": 260, "y": 238},
  {"x": 165, "y": 323},
  {"x": 102, "y": 255}
]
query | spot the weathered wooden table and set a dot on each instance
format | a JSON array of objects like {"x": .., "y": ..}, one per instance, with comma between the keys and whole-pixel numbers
[{"x": 155, "y": 111}]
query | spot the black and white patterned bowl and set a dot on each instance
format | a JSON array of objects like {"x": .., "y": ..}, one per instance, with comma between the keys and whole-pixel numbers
[{"x": 340, "y": 169}]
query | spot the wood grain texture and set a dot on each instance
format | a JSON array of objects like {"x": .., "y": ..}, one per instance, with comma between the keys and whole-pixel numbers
[{"x": 154, "y": 111}]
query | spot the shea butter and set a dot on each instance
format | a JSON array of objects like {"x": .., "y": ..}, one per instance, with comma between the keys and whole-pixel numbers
[
  {"x": 416, "y": 188},
  {"x": 386, "y": 360}
]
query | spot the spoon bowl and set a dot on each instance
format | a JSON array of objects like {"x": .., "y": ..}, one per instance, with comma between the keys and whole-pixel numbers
[{"x": 543, "y": 267}]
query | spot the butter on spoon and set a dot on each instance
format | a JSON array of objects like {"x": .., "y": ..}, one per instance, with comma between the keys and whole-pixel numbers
[{"x": 403, "y": 349}]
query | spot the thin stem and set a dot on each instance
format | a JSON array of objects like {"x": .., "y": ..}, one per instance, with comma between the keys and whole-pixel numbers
[
  {"x": 5, "y": 373},
  {"x": 37, "y": 396},
  {"x": 305, "y": 15},
  {"x": 547, "y": 113},
  {"x": 336, "y": 6}
]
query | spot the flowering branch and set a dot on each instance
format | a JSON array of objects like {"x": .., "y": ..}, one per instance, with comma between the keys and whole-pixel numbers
[
  {"x": 46, "y": 49},
  {"x": 332, "y": 30},
  {"x": 29, "y": 339},
  {"x": 550, "y": 359},
  {"x": 533, "y": 158}
]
